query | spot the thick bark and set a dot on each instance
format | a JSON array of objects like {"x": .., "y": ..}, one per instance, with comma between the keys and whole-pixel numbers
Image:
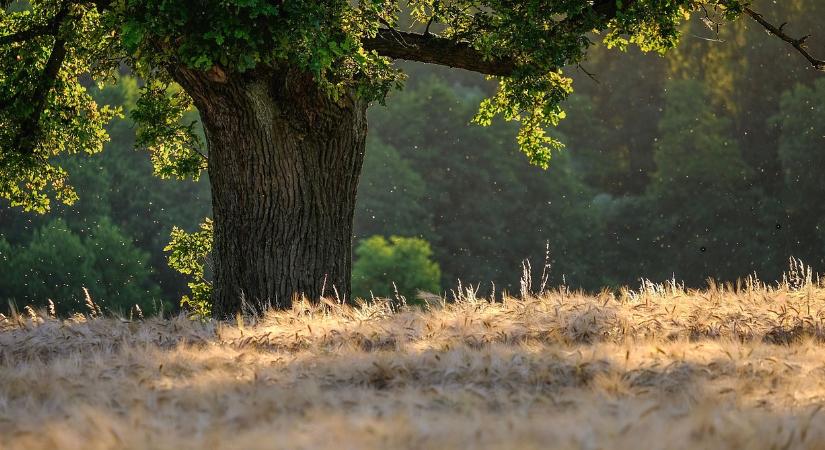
[{"x": 284, "y": 162}]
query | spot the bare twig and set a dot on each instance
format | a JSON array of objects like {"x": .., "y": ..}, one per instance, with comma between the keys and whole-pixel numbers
[
  {"x": 432, "y": 19},
  {"x": 798, "y": 44},
  {"x": 429, "y": 23},
  {"x": 589, "y": 74}
]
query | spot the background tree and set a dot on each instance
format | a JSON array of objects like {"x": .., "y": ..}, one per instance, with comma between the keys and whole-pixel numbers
[
  {"x": 391, "y": 195},
  {"x": 711, "y": 220},
  {"x": 54, "y": 264},
  {"x": 398, "y": 266},
  {"x": 486, "y": 208},
  {"x": 800, "y": 152},
  {"x": 57, "y": 264}
]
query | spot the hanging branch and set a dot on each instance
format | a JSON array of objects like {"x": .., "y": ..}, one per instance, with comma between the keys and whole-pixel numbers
[
  {"x": 29, "y": 132},
  {"x": 798, "y": 44},
  {"x": 30, "y": 128}
]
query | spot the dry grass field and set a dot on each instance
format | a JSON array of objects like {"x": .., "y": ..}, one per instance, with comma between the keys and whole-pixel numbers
[{"x": 659, "y": 367}]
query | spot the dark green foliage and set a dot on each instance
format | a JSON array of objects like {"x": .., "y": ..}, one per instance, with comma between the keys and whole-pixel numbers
[
  {"x": 391, "y": 194},
  {"x": 400, "y": 265},
  {"x": 54, "y": 265},
  {"x": 695, "y": 153},
  {"x": 319, "y": 37},
  {"x": 57, "y": 264},
  {"x": 486, "y": 209},
  {"x": 802, "y": 146},
  {"x": 143, "y": 206},
  {"x": 613, "y": 122},
  {"x": 123, "y": 278},
  {"x": 802, "y": 156},
  {"x": 711, "y": 221}
]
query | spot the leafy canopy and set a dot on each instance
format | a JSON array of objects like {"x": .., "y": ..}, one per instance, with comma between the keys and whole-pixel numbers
[{"x": 52, "y": 50}]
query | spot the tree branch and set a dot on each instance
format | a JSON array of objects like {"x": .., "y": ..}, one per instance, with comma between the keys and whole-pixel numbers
[
  {"x": 29, "y": 133},
  {"x": 30, "y": 127},
  {"x": 428, "y": 48},
  {"x": 436, "y": 50},
  {"x": 798, "y": 44}
]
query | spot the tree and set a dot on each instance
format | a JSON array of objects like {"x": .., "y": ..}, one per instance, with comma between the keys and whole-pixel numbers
[
  {"x": 611, "y": 123},
  {"x": 282, "y": 89},
  {"x": 57, "y": 264},
  {"x": 487, "y": 209},
  {"x": 390, "y": 194},
  {"x": 708, "y": 220},
  {"x": 801, "y": 145},
  {"x": 122, "y": 275},
  {"x": 401, "y": 266},
  {"x": 739, "y": 65},
  {"x": 144, "y": 207}
]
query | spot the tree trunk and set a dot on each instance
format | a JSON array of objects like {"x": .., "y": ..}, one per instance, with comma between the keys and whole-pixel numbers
[{"x": 284, "y": 162}]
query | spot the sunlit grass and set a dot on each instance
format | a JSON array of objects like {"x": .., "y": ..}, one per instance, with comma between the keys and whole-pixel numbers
[{"x": 739, "y": 366}]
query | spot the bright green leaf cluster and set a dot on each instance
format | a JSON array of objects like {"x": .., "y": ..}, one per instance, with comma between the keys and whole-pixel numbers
[
  {"x": 535, "y": 102},
  {"x": 398, "y": 266},
  {"x": 173, "y": 144},
  {"x": 65, "y": 119},
  {"x": 543, "y": 36},
  {"x": 189, "y": 255}
]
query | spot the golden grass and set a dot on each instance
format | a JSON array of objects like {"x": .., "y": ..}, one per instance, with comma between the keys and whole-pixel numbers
[{"x": 661, "y": 367}]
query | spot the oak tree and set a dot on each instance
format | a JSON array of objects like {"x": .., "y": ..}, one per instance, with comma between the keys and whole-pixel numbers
[{"x": 282, "y": 88}]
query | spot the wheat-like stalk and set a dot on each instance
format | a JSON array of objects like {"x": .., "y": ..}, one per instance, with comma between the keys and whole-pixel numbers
[
  {"x": 94, "y": 309},
  {"x": 50, "y": 308},
  {"x": 30, "y": 312}
]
